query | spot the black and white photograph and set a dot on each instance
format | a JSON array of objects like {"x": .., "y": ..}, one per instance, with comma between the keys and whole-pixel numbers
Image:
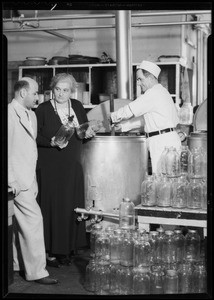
[{"x": 107, "y": 150}]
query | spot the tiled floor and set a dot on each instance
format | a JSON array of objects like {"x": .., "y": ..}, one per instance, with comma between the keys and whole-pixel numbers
[{"x": 71, "y": 279}]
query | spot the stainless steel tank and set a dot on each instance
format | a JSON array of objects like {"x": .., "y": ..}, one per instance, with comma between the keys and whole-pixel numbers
[{"x": 114, "y": 168}]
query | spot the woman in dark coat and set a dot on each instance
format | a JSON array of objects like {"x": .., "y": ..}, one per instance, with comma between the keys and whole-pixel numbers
[{"x": 60, "y": 173}]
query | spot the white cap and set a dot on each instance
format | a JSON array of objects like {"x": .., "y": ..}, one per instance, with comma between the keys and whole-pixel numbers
[{"x": 150, "y": 67}]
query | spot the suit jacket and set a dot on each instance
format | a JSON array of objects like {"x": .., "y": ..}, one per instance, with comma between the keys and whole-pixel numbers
[{"x": 22, "y": 147}]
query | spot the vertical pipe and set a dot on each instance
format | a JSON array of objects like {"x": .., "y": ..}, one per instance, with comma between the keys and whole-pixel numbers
[
  {"x": 124, "y": 54},
  {"x": 199, "y": 67}
]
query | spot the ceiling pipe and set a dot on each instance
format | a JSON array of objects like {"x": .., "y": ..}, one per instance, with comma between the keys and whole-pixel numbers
[
  {"x": 105, "y": 16},
  {"x": 107, "y": 26},
  {"x": 124, "y": 54}
]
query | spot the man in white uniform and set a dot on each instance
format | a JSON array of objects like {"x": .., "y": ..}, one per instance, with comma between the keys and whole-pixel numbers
[{"x": 156, "y": 106}]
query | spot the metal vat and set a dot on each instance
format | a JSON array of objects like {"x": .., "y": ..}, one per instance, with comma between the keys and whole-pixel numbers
[{"x": 114, "y": 168}]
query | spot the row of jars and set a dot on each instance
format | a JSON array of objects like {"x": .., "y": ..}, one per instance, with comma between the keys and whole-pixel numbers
[
  {"x": 139, "y": 250},
  {"x": 176, "y": 192},
  {"x": 105, "y": 278},
  {"x": 174, "y": 163}
]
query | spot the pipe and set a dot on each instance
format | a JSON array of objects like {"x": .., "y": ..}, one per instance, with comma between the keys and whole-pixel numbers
[
  {"x": 105, "y": 16},
  {"x": 108, "y": 26},
  {"x": 112, "y": 110},
  {"x": 95, "y": 212},
  {"x": 123, "y": 54}
]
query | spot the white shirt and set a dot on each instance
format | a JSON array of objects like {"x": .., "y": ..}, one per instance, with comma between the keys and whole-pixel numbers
[{"x": 157, "y": 107}]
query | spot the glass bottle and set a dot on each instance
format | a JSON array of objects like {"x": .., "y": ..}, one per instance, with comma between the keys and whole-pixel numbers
[
  {"x": 115, "y": 279},
  {"x": 179, "y": 245},
  {"x": 90, "y": 276},
  {"x": 102, "y": 246},
  {"x": 102, "y": 278},
  {"x": 163, "y": 192},
  {"x": 96, "y": 229},
  {"x": 142, "y": 252},
  {"x": 192, "y": 246},
  {"x": 127, "y": 245},
  {"x": 185, "y": 114},
  {"x": 185, "y": 278},
  {"x": 169, "y": 247},
  {"x": 82, "y": 128},
  {"x": 148, "y": 191},
  {"x": 127, "y": 214},
  {"x": 141, "y": 280},
  {"x": 65, "y": 132},
  {"x": 171, "y": 282},
  {"x": 157, "y": 280},
  {"x": 153, "y": 240},
  {"x": 185, "y": 159},
  {"x": 196, "y": 166},
  {"x": 195, "y": 193},
  {"x": 126, "y": 283},
  {"x": 172, "y": 162},
  {"x": 199, "y": 278},
  {"x": 160, "y": 239},
  {"x": 163, "y": 161},
  {"x": 204, "y": 199},
  {"x": 115, "y": 246},
  {"x": 180, "y": 192}
]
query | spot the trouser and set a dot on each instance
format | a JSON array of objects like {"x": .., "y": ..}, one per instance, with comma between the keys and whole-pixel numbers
[
  {"x": 28, "y": 238},
  {"x": 156, "y": 145}
]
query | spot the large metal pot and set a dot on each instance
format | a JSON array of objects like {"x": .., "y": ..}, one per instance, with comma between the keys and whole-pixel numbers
[{"x": 114, "y": 168}]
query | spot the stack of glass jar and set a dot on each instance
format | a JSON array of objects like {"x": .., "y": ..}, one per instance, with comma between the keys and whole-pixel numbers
[
  {"x": 133, "y": 261},
  {"x": 182, "y": 182}
]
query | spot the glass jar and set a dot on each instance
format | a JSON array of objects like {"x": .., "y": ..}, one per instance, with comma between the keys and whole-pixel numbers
[
  {"x": 126, "y": 283},
  {"x": 157, "y": 280},
  {"x": 90, "y": 276},
  {"x": 195, "y": 193},
  {"x": 115, "y": 246},
  {"x": 153, "y": 240},
  {"x": 192, "y": 246},
  {"x": 196, "y": 167},
  {"x": 148, "y": 191},
  {"x": 185, "y": 278},
  {"x": 115, "y": 279},
  {"x": 172, "y": 162},
  {"x": 102, "y": 246},
  {"x": 169, "y": 247},
  {"x": 127, "y": 214},
  {"x": 171, "y": 282},
  {"x": 199, "y": 278},
  {"x": 204, "y": 199},
  {"x": 142, "y": 252},
  {"x": 96, "y": 228},
  {"x": 162, "y": 161},
  {"x": 179, "y": 245},
  {"x": 163, "y": 192},
  {"x": 127, "y": 245},
  {"x": 141, "y": 281},
  {"x": 179, "y": 192},
  {"x": 102, "y": 278},
  {"x": 159, "y": 250},
  {"x": 185, "y": 160},
  {"x": 65, "y": 132}
]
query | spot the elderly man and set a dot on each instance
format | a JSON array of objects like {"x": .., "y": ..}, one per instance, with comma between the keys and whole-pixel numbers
[{"x": 22, "y": 158}]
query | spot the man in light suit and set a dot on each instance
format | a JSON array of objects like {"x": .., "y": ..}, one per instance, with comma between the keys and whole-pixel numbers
[{"x": 22, "y": 158}]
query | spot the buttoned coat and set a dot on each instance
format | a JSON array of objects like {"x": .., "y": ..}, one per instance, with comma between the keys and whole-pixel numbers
[{"x": 22, "y": 148}]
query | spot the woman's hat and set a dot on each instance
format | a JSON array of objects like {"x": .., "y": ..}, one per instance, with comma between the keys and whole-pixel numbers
[{"x": 150, "y": 67}]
